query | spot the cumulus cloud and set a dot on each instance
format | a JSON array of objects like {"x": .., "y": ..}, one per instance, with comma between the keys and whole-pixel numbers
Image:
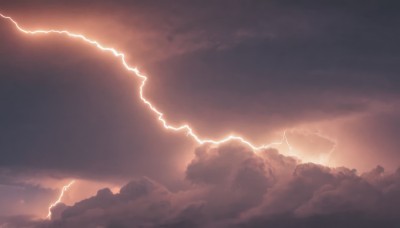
[
  {"x": 232, "y": 186},
  {"x": 316, "y": 194},
  {"x": 138, "y": 203}
]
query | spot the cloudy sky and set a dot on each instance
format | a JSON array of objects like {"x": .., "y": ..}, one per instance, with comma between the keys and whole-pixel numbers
[{"x": 322, "y": 77}]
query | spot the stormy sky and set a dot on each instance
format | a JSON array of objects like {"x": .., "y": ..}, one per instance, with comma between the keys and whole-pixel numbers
[{"x": 324, "y": 73}]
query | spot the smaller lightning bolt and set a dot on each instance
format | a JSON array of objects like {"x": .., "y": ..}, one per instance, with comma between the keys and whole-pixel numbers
[
  {"x": 327, "y": 159},
  {"x": 63, "y": 190},
  {"x": 324, "y": 159}
]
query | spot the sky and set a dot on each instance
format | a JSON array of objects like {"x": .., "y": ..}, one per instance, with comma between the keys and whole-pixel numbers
[{"x": 318, "y": 78}]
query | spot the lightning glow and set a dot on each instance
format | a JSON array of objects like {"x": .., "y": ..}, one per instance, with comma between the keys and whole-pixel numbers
[
  {"x": 160, "y": 116},
  {"x": 184, "y": 128},
  {"x": 63, "y": 190}
]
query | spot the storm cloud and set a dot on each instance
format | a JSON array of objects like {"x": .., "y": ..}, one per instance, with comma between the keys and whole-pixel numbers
[
  {"x": 232, "y": 186},
  {"x": 323, "y": 72}
]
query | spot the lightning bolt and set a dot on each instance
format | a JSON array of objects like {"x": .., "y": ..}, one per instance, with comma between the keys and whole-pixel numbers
[
  {"x": 185, "y": 128},
  {"x": 160, "y": 116},
  {"x": 63, "y": 190}
]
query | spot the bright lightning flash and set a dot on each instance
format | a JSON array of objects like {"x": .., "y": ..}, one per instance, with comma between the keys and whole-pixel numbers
[
  {"x": 160, "y": 116},
  {"x": 63, "y": 190},
  {"x": 185, "y": 128}
]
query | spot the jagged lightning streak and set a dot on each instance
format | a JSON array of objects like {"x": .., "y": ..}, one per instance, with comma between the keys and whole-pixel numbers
[
  {"x": 63, "y": 190},
  {"x": 160, "y": 116}
]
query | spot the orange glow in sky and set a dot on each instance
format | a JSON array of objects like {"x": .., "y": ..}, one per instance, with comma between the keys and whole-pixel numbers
[
  {"x": 185, "y": 128},
  {"x": 160, "y": 116}
]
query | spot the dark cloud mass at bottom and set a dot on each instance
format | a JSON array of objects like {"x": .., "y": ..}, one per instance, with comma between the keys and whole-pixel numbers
[{"x": 232, "y": 186}]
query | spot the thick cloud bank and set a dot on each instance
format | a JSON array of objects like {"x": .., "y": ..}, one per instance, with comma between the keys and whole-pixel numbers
[{"x": 231, "y": 186}]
